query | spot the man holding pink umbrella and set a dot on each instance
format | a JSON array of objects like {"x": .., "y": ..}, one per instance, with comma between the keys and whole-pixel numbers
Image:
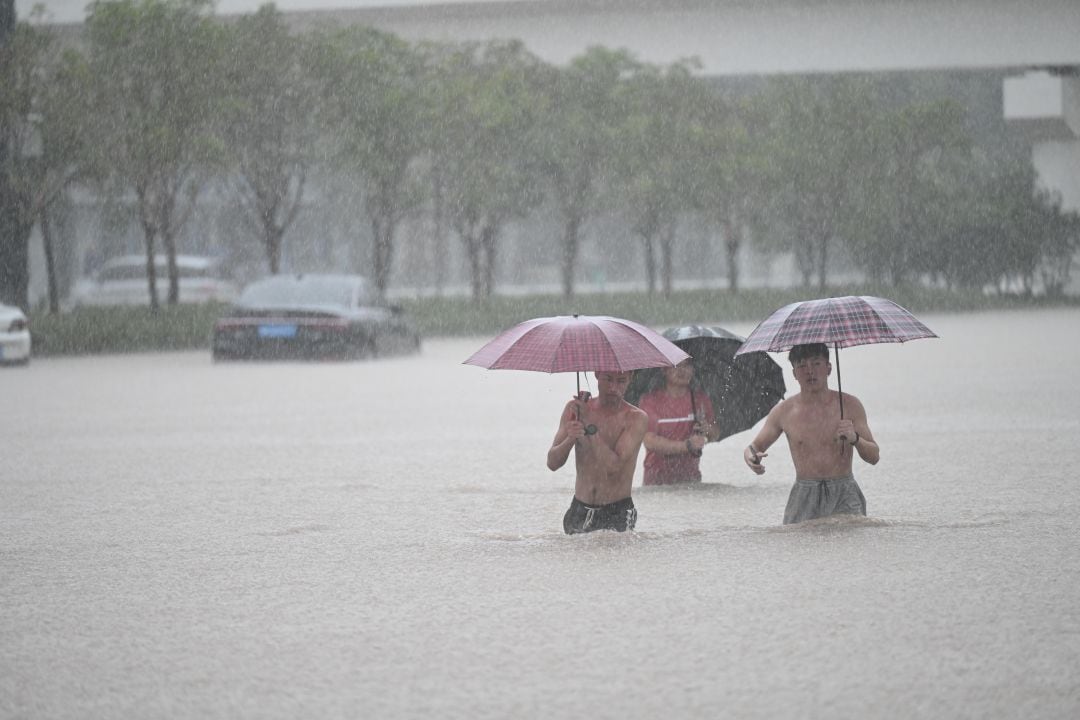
[{"x": 605, "y": 434}]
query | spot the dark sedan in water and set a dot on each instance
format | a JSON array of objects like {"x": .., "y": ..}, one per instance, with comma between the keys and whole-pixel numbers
[{"x": 312, "y": 317}]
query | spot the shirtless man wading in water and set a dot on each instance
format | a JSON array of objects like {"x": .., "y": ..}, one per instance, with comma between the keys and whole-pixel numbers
[
  {"x": 820, "y": 442},
  {"x": 606, "y": 440}
]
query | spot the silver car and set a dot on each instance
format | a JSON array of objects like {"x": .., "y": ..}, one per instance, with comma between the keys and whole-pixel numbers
[
  {"x": 14, "y": 336},
  {"x": 122, "y": 281}
]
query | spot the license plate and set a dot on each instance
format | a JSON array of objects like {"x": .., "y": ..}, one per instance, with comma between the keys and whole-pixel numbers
[{"x": 277, "y": 331}]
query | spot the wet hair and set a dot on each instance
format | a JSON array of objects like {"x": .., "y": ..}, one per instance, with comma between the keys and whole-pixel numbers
[{"x": 802, "y": 352}]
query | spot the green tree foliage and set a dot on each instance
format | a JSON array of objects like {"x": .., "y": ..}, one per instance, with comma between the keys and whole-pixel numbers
[
  {"x": 371, "y": 91},
  {"x": 19, "y": 52},
  {"x": 655, "y": 151},
  {"x": 837, "y": 169},
  {"x": 267, "y": 124},
  {"x": 898, "y": 215},
  {"x": 730, "y": 171},
  {"x": 818, "y": 144},
  {"x": 154, "y": 65},
  {"x": 585, "y": 106},
  {"x": 483, "y": 134}
]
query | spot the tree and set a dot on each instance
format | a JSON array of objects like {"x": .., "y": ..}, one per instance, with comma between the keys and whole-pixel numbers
[
  {"x": 15, "y": 109},
  {"x": 484, "y": 146},
  {"x": 900, "y": 207},
  {"x": 1060, "y": 243},
  {"x": 585, "y": 105},
  {"x": 267, "y": 125},
  {"x": 818, "y": 143},
  {"x": 655, "y": 158},
  {"x": 154, "y": 64},
  {"x": 371, "y": 89},
  {"x": 730, "y": 176}
]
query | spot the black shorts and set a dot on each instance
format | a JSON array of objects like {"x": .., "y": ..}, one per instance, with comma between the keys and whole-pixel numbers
[{"x": 620, "y": 515}]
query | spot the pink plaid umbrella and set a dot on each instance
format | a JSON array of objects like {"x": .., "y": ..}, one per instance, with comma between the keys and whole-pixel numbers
[
  {"x": 578, "y": 343},
  {"x": 840, "y": 322}
]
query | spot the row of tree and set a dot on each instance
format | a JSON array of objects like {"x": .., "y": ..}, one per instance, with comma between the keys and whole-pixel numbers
[{"x": 158, "y": 98}]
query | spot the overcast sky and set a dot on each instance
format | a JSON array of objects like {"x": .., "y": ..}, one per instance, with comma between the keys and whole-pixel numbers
[{"x": 75, "y": 10}]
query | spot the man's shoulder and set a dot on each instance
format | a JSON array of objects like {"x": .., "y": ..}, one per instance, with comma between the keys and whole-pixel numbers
[{"x": 634, "y": 411}]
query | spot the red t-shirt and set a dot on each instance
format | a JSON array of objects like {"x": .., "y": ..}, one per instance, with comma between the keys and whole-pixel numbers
[{"x": 672, "y": 418}]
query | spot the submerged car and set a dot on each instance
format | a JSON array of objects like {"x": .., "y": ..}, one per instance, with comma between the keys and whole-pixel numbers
[
  {"x": 312, "y": 316},
  {"x": 14, "y": 336},
  {"x": 122, "y": 281}
]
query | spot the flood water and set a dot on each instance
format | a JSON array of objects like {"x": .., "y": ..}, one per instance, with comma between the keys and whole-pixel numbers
[{"x": 383, "y": 540}]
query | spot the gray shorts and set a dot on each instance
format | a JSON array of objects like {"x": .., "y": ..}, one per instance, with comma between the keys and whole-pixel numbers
[{"x": 818, "y": 498}]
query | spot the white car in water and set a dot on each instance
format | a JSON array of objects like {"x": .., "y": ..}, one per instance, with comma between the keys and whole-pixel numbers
[
  {"x": 122, "y": 281},
  {"x": 14, "y": 336}
]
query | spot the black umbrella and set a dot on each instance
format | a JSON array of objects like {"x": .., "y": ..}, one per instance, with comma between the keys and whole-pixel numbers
[{"x": 743, "y": 389}]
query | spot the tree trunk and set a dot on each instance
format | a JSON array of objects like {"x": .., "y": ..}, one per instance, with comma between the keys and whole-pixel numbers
[
  {"x": 732, "y": 243},
  {"x": 15, "y": 260},
  {"x": 273, "y": 248},
  {"x": 472, "y": 254},
  {"x": 667, "y": 256},
  {"x": 169, "y": 243},
  {"x": 383, "y": 250},
  {"x": 489, "y": 236},
  {"x": 439, "y": 251},
  {"x": 822, "y": 260},
  {"x": 151, "y": 270},
  {"x": 569, "y": 253},
  {"x": 50, "y": 261},
  {"x": 648, "y": 245}
]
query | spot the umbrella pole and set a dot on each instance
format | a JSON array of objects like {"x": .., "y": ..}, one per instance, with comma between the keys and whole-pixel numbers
[
  {"x": 839, "y": 389},
  {"x": 839, "y": 386},
  {"x": 578, "y": 396}
]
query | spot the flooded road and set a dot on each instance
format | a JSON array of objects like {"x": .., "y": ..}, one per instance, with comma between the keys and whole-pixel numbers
[{"x": 382, "y": 540}]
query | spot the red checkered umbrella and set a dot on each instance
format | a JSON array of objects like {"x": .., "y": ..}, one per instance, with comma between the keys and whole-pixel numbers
[
  {"x": 839, "y": 322},
  {"x": 578, "y": 343}
]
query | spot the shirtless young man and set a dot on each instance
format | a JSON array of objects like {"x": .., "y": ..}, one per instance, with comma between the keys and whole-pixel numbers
[
  {"x": 605, "y": 458},
  {"x": 820, "y": 442}
]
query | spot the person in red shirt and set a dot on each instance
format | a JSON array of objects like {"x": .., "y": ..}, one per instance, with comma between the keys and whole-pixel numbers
[{"x": 681, "y": 421}]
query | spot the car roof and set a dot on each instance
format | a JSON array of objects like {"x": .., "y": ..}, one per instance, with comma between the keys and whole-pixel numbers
[
  {"x": 11, "y": 310},
  {"x": 188, "y": 261},
  {"x": 358, "y": 286},
  {"x": 300, "y": 278}
]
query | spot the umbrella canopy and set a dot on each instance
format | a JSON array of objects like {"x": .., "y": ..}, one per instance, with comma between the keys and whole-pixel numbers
[
  {"x": 577, "y": 343},
  {"x": 839, "y": 322},
  {"x": 742, "y": 389}
]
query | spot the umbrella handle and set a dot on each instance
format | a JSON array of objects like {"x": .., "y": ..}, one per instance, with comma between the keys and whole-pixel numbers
[{"x": 583, "y": 396}]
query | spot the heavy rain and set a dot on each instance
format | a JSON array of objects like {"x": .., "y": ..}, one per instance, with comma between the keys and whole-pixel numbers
[{"x": 245, "y": 252}]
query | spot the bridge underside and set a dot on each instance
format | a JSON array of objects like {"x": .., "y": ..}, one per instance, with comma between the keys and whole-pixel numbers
[{"x": 740, "y": 37}]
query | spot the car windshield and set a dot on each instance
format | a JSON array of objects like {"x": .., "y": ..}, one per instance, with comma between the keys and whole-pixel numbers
[{"x": 290, "y": 291}]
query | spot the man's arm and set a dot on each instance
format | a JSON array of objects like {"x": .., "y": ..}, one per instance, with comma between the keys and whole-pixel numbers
[
  {"x": 754, "y": 453},
  {"x": 626, "y": 447},
  {"x": 856, "y": 431},
  {"x": 664, "y": 446},
  {"x": 570, "y": 429}
]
